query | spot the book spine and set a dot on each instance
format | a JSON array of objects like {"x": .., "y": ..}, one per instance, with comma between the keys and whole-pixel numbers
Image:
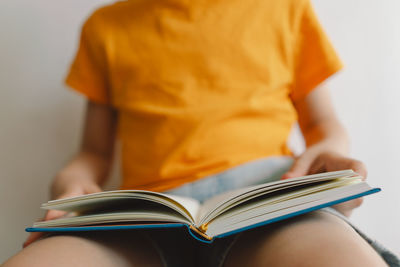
[{"x": 199, "y": 235}]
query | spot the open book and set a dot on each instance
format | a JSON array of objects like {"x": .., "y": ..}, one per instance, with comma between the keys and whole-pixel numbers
[{"x": 220, "y": 216}]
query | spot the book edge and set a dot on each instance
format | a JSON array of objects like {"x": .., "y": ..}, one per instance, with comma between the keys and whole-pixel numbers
[
  {"x": 104, "y": 228},
  {"x": 195, "y": 234},
  {"x": 293, "y": 214}
]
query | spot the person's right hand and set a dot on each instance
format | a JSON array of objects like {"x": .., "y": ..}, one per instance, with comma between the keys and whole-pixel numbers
[{"x": 72, "y": 191}]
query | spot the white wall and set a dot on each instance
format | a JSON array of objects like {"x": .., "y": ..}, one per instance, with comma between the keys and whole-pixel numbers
[
  {"x": 366, "y": 94},
  {"x": 40, "y": 120}
]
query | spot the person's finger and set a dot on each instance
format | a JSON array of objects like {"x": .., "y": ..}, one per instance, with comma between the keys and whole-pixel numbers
[
  {"x": 300, "y": 166},
  {"x": 336, "y": 162},
  {"x": 54, "y": 214},
  {"x": 320, "y": 164},
  {"x": 359, "y": 168},
  {"x": 50, "y": 215},
  {"x": 349, "y": 163}
]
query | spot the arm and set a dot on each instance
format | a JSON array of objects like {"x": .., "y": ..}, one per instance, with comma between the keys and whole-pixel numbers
[
  {"x": 327, "y": 143},
  {"x": 319, "y": 124},
  {"x": 90, "y": 167}
]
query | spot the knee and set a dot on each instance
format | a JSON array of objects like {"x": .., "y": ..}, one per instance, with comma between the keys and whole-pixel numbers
[
  {"x": 317, "y": 239},
  {"x": 321, "y": 239},
  {"x": 21, "y": 259},
  {"x": 49, "y": 251},
  {"x": 87, "y": 250}
]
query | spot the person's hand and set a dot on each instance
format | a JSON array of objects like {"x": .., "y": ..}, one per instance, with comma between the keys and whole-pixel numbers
[
  {"x": 72, "y": 191},
  {"x": 311, "y": 162}
]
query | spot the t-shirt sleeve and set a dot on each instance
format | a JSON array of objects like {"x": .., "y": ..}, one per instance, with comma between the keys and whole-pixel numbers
[
  {"x": 315, "y": 58},
  {"x": 88, "y": 72}
]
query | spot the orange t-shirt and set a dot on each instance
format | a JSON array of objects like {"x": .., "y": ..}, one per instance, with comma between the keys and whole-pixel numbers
[{"x": 200, "y": 85}]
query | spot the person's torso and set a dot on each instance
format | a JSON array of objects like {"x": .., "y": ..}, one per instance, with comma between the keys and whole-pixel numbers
[{"x": 200, "y": 86}]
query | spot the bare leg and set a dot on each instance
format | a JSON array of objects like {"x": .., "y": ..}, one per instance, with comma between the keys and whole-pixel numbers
[
  {"x": 315, "y": 239},
  {"x": 90, "y": 249}
]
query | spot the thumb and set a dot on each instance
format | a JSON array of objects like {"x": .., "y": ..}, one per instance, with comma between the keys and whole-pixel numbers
[
  {"x": 54, "y": 214},
  {"x": 300, "y": 166},
  {"x": 50, "y": 215}
]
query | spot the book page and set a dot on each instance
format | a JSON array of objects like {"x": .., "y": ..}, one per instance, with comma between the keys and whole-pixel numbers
[
  {"x": 117, "y": 217},
  {"x": 268, "y": 202},
  {"x": 255, "y": 212},
  {"x": 190, "y": 204},
  {"x": 219, "y": 203},
  {"x": 125, "y": 199}
]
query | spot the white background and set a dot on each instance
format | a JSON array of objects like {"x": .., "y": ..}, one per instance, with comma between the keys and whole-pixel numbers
[{"x": 40, "y": 120}]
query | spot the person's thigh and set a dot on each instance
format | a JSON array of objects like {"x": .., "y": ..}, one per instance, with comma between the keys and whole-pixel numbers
[
  {"x": 89, "y": 249},
  {"x": 314, "y": 239}
]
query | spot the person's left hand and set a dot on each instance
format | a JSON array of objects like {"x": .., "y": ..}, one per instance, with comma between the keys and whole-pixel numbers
[{"x": 311, "y": 162}]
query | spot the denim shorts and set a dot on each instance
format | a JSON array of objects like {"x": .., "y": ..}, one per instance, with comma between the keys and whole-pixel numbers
[{"x": 178, "y": 248}]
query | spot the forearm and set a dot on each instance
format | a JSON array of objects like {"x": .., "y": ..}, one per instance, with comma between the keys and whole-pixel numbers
[
  {"x": 86, "y": 168},
  {"x": 326, "y": 140},
  {"x": 327, "y": 136},
  {"x": 90, "y": 167},
  {"x": 319, "y": 124}
]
